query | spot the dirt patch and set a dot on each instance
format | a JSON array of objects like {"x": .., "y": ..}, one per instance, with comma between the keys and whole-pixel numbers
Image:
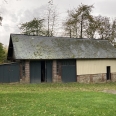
[{"x": 110, "y": 91}]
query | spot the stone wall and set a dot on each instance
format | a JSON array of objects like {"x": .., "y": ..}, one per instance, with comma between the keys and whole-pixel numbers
[
  {"x": 26, "y": 77},
  {"x": 113, "y": 77},
  {"x": 88, "y": 78},
  {"x": 95, "y": 78},
  {"x": 27, "y": 72},
  {"x": 91, "y": 78},
  {"x": 55, "y": 76}
]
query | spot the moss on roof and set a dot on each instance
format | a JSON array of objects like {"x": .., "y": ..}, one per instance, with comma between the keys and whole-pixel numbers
[{"x": 38, "y": 47}]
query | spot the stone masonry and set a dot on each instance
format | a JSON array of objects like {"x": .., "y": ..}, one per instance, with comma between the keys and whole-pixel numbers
[
  {"x": 91, "y": 78},
  {"x": 27, "y": 72},
  {"x": 55, "y": 77},
  {"x": 95, "y": 78},
  {"x": 113, "y": 77},
  {"x": 25, "y": 78}
]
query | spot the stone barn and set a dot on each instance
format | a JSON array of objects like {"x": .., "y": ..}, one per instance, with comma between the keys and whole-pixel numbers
[{"x": 62, "y": 59}]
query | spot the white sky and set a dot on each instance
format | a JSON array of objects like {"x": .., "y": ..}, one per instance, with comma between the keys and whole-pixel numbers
[{"x": 15, "y": 12}]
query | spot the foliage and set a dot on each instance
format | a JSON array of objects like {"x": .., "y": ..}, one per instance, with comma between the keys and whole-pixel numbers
[
  {"x": 69, "y": 99},
  {"x": 112, "y": 36},
  {"x": 1, "y": 18},
  {"x": 104, "y": 26},
  {"x": 6, "y": 51},
  {"x": 78, "y": 20},
  {"x": 91, "y": 29},
  {"x": 2, "y": 53},
  {"x": 37, "y": 26},
  {"x": 34, "y": 27},
  {"x": 100, "y": 25},
  {"x": 80, "y": 23}
]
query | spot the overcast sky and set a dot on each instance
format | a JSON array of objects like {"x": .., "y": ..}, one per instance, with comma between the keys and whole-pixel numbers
[{"x": 15, "y": 12}]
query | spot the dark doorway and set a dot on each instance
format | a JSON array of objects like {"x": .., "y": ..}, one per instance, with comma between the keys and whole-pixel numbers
[
  {"x": 48, "y": 71},
  {"x": 108, "y": 73},
  {"x": 43, "y": 79},
  {"x": 40, "y": 71}
]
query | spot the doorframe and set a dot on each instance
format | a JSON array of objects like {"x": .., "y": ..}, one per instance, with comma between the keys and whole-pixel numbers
[{"x": 45, "y": 70}]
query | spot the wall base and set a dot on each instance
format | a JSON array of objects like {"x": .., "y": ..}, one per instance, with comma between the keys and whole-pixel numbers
[
  {"x": 95, "y": 78},
  {"x": 113, "y": 77},
  {"x": 91, "y": 78}
]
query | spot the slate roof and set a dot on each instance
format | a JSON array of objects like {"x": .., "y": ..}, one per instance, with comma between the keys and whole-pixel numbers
[{"x": 38, "y": 47}]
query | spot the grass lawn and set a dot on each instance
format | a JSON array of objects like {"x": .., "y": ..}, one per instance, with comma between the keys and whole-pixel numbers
[{"x": 68, "y": 99}]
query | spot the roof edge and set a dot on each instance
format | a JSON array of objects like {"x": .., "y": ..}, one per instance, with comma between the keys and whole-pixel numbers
[{"x": 61, "y": 37}]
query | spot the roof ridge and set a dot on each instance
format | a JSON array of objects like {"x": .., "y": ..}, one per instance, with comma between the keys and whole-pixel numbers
[{"x": 61, "y": 37}]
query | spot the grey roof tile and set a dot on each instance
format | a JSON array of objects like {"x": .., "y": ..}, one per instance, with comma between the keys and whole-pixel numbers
[{"x": 38, "y": 47}]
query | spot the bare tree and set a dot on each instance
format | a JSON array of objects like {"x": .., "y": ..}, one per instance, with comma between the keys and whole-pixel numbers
[
  {"x": 51, "y": 18},
  {"x": 112, "y": 35},
  {"x": 103, "y": 26},
  {"x": 70, "y": 26}
]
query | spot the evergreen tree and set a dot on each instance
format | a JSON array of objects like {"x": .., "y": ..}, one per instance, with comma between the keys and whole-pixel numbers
[
  {"x": 2, "y": 53},
  {"x": 34, "y": 27},
  {"x": 78, "y": 21}
]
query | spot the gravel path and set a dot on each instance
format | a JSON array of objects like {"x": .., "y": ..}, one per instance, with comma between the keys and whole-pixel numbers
[{"x": 110, "y": 91}]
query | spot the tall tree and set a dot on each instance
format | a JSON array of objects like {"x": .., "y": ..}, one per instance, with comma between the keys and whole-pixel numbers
[
  {"x": 103, "y": 27},
  {"x": 81, "y": 17},
  {"x": 91, "y": 29},
  {"x": 51, "y": 18},
  {"x": 112, "y": 35},
  {"x": 2, "y": 53},
  {"x": 34, "y": 27},
  {"x": 70, "y": 26},
  {"x": 1, "y": 20}
]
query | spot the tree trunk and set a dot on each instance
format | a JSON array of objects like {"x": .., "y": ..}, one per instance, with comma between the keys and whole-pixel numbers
[
  {"x": 81, "y": 35},
  {"x": 70, "y": 33}
]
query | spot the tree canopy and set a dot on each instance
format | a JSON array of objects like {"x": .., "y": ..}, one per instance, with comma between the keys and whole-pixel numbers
[
  {"x": 2, "y": 53},
  {"x": 80, "y": 23},
  {"x": 1, "y": 20},
  {"x": 33, "y": 27},
  {"x": 77, "y": 20}
]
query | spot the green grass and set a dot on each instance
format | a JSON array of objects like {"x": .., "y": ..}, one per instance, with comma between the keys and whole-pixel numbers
[{"x": 69, "y": 99}]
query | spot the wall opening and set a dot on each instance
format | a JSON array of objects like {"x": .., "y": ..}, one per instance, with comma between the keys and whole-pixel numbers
[
  {"x": 68, "y": 70},
  {"x": 43, "y": 79},
  {"x": 108, "y": 73}
]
